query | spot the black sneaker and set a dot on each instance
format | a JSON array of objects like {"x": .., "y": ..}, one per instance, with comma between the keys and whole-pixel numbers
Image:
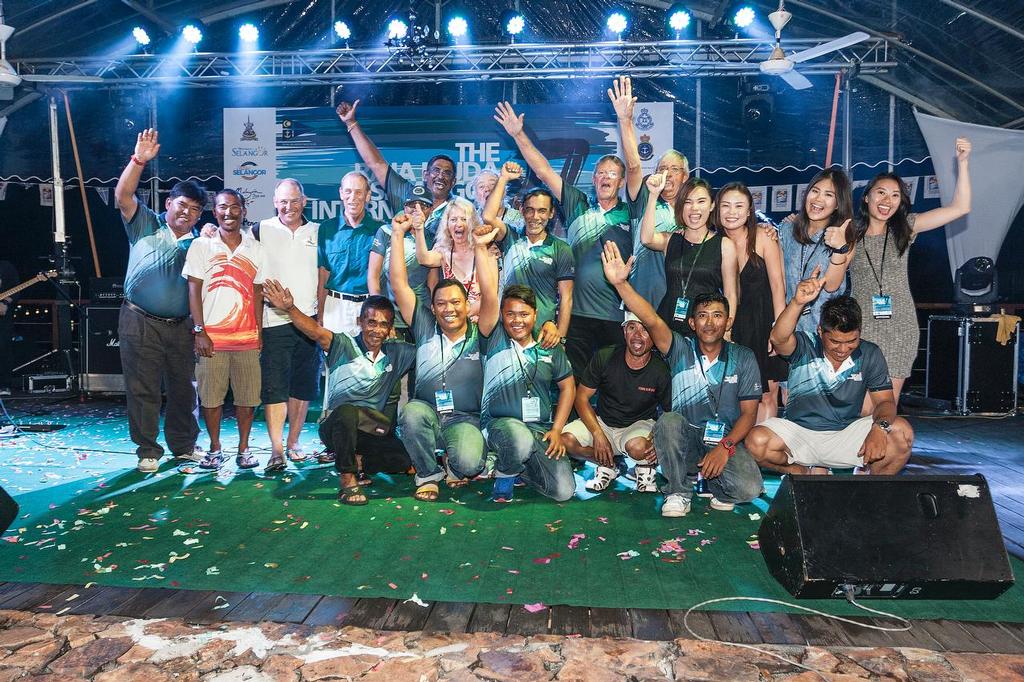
[{"x": 701, "y": 489}]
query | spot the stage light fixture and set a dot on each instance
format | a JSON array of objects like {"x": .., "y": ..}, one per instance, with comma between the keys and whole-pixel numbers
[
  {"x": 248, "y": 33},
  {"x": 678, "y": 18},
  {"x": 618, "y": 23},
  {"x": 457, "y": 27},
  {"x": 514, "y": 23},
  {"x": 141, "y": 36},
  {"x": 744, "y": 16},
  {"x": 342, "y": 29},
  {"x": 397, "y": 29},
  {"x": 192, "y": 34}
]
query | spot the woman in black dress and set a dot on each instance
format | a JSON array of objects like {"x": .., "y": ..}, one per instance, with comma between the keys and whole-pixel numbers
[
  {"x": 697, "y": 259},
  {"x": 762, "y": 288}
]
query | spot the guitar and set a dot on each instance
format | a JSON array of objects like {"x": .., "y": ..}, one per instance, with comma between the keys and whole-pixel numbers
[{"x": 41, "y": 277}]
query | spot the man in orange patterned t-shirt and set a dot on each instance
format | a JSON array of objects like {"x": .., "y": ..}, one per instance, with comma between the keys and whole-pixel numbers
[{"x": 225, "y": 287}]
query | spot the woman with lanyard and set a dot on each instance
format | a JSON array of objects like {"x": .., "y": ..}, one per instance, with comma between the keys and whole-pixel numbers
[
  {"x": 697, "y": 260},
  {"x": 453, "y": 250},
  {"x": 811, "y": 238},
  {"x": 885, "y": 230}
]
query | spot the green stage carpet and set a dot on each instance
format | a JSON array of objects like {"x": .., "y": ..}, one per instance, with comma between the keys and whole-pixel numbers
[{"x": 246, "y": 533}]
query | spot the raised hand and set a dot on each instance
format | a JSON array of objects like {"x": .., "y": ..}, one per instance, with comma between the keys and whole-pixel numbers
[
  {"x": 347, "y": 112},
  {"x": 808, "y": 289},
  {"x": 278, "y": 296},
  {"x": 511, "y": 171},
  {"x": 506, "y": 116},
  {"x": 484, "y": 235},
  {"x": 209, "y": 230},
  {"x": 147, "y": 146},
  {"x": 656, "y": 182},
  {"x": 401, "y": 223},
  {"x": 835, "y": 237},
  {"x": 963, "y": 149},
  {"x": 616, "y": 270},
  {"x": 621, "y": 95}
]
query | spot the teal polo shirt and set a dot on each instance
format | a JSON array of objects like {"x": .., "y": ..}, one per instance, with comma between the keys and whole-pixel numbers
[
  {"x": 356, "y": 379},
  {"x": 698, "y": 394},
  {"x": 153, "y": 280},
  {"x": 648, "y": 273},
  {"x": 541, "y": 267},
  {"x": 344, "y": 251}
]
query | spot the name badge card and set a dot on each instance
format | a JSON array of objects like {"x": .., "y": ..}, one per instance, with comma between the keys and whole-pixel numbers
[
  {"x": 714, "y": 431},
  {"x": 682, "y": 308},
  {"x": 531, "y": 409},
  {"x": 881, "y": 306},
  {"x": 445, "y": 401}
]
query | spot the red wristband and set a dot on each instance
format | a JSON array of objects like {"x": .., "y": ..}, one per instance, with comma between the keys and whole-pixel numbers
[
  {"x": 730, "y": 446},
  {"x": 137, "y": 162}
]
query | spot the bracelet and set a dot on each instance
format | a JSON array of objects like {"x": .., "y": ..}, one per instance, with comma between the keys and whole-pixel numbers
[
  {"x": 137, "y": 162},
  {"x": 348, "y": 129},
  {"x": 835, "y": 263}
]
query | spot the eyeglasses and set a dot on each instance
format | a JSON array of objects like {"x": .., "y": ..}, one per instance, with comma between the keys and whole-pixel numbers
[
  {"x": 443, "y": 172},
  {"x": 611, "y": 175}
]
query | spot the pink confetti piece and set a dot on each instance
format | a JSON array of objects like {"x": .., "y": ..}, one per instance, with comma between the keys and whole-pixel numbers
[
  {"x": 393, "y": 586},
  {"x": 534, "y": 608},
  {"x": 602, "y": 519},
  {"x": 513, "y": 571},
  {"x": 446, "y": 512},
  {"x": 574, "y": 541},
  {"x": 542, "y": 560}
]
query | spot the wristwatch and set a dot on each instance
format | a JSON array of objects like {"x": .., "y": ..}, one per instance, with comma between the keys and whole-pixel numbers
[
  {"x": 884, "y": 425},
  {"x": 730, "y": 446},
  {"x": 198, "y": 329}
]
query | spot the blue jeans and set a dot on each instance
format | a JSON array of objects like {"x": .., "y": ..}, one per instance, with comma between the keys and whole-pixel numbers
[
  {"x": 680, "y": 447},
  {"x": 424, "y": 431},
  {"x": 521, "y": 452}
]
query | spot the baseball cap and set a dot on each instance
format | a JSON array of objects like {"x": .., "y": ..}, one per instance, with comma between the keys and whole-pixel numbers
[
  {"x": 420, "y": 193},
  {"x": 630, "y": 317}
]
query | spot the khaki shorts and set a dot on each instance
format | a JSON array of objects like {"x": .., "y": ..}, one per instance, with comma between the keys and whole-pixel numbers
[
  {"x": 239, "y": 369},
  {"x": 837, "y": 449},
  {"x": 618, "y": 436}
]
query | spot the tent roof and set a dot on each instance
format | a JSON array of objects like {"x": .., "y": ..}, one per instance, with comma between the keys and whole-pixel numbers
[{"x": 950, "y": 58}]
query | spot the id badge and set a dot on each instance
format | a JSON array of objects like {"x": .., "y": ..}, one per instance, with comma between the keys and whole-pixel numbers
[
  {"x": 682, "y": 308},
  {"x": 881, "y": 306},
  {"x": 445, "y": 401},
  {"x": 531, "y": 409},
  {"x": 714, "y": 431}
]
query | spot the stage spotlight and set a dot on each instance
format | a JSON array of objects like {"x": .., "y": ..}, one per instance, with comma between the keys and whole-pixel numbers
[
  {"x": 141, "y": 37},
  {"x": 397, "y": 29},
  {"x": 248, "y": 33},
  {"x": 192, "y": 34},
  {"x": 678, "y": 18},
  {"x": 618, "y": 23},
  {"x": 514, "y": 23},
  {"x": 744, "y": 16},
  {"x": 457, "y": 27},
  {"x": 342, "y": 29}
]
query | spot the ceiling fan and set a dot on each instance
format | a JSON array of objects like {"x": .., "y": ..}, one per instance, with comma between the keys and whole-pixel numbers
[
  {"x": 779, "y": 64},
  {"x": 10, "y": 78}
]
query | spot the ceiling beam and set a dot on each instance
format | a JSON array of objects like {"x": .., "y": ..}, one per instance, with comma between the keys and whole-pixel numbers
[
  {"x": 984, "y": 17},
  {"x": 162, "y": 22},
  {"x": 56, "y": 15},
  {"x": 236, "y": 9},
  {"x": 907, "y": 97}
]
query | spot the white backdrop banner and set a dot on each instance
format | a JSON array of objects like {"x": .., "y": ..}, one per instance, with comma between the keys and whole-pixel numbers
[
  {"x": 997, "y": 185},
  {"x": 250, "y": 158}
]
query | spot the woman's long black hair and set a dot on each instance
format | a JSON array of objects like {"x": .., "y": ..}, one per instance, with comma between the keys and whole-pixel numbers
[
  {"x": 898, "y": 223},
  {"x": 844, "y": 205}
]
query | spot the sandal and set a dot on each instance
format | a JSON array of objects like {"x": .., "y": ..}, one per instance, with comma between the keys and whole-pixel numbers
[
  {"x": 214, "y": 459},
  {"x": 296, "y": 454},
  {"x": 325, "y": 457},
  {"x": 427, "y": 492},
  {"x": 275, "y": 466},
  {"x": 646, "y": 479},
  {"x": 363, "y": 479},
  {"x": 246, "y": 460},
  {"x": 603, "y": 478},
  {"x": 350, "y": 496}
]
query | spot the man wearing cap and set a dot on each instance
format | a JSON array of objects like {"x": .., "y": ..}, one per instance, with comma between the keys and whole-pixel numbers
[
  {"x": 438, "y": 177},
  {"x": 343, "y": 255},
  {"x": 631, "y": 382}
]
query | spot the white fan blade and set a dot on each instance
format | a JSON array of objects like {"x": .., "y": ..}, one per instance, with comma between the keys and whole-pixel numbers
[
  {"x": 831, "y": 46},
  {"x": 796, "y": 80},
  {"x": 46, "y": 78}
]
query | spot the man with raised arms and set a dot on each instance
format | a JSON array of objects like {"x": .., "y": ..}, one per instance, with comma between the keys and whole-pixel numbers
[
  {"x": 716, "y": 387},
  {"x": 445, "y": 412}
]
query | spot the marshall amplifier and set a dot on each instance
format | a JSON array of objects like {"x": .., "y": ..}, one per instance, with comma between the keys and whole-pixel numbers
[
  {"x": 102, "y": 369},
  {"x": 106, "y": 290},
  {"x": 891, "y": 537}
]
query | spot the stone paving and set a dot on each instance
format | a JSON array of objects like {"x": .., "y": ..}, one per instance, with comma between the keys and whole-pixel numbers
[{"x": 112, "y": 649}]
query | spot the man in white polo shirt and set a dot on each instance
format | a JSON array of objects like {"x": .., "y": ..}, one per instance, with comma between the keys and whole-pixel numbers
[{"x": 290, "y": 361}]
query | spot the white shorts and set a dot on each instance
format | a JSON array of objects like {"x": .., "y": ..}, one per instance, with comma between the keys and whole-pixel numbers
[
  {"x": 341, "y": 316},
  {"x": 837, "y": 449},
  {"x": 618, "y": 436}
]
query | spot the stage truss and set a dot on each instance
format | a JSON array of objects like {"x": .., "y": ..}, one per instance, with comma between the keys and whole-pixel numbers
[{"x": 665, "y": 59}]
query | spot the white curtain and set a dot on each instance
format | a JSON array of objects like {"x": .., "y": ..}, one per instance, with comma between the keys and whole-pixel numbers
[{"x": 997, "y": 183}]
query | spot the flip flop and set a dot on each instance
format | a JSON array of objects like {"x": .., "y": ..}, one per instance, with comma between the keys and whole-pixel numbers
[
  {"x": 363, "y": 479},
  {"x": 275, "y": 466},
  {"x": 295, "y": 454},
  {"x": 426, "y": 493},
  {"x": 346, "y": 494}
]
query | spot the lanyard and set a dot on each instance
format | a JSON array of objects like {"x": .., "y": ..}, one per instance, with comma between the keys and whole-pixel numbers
[
  {"x": 805, "y": 263},
  {"x": 465, "y": 344},
  {"x": 693, "y": 263},
  {"x": 881, "y": 266},
  {"x": 724, "y": 356},
  {"x": 530, "y": 385}
]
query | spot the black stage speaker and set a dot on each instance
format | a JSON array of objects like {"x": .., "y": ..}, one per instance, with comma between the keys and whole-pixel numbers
[
  {"x": 8, "y": 510},
  {"x": 102, "y": 372},
  {"x": 895, "y": 537}
]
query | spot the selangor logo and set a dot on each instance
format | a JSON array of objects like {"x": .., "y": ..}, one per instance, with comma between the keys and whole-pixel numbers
[
  {"x": 250, "y": 151},
  {"x": 249, "y": 134},
  {"x": 645, "y": 149},
  {"x": 644, "y": 121},
  {"x": 249, "y": 171}
]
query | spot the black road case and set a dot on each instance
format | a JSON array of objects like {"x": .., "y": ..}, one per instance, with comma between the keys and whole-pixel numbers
[{"x": 968, "y": 368}]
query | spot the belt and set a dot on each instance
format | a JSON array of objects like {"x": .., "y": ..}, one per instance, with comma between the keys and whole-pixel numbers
[
  {"x": 358, "y": 298},
  {"x": 166, "y": 320}
]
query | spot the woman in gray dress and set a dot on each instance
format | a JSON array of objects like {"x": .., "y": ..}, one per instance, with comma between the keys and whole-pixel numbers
[{"x": 885, "y": 230}]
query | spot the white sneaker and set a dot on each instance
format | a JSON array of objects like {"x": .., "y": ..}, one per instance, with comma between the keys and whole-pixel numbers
[
  {"x": 148, "y": 465},
  {"x": 603, "y": 478},
  {"x": 675, "y": 505},
  {"x": 718, "y": 505},
  {"x": 196, "y": 454}
]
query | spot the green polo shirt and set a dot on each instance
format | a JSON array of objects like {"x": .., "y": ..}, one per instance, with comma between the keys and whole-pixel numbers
[{"x": 344, "y": 251}]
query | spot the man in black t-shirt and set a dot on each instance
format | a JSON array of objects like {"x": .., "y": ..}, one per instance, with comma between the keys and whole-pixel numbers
[{"x": 631, "y": 382}]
